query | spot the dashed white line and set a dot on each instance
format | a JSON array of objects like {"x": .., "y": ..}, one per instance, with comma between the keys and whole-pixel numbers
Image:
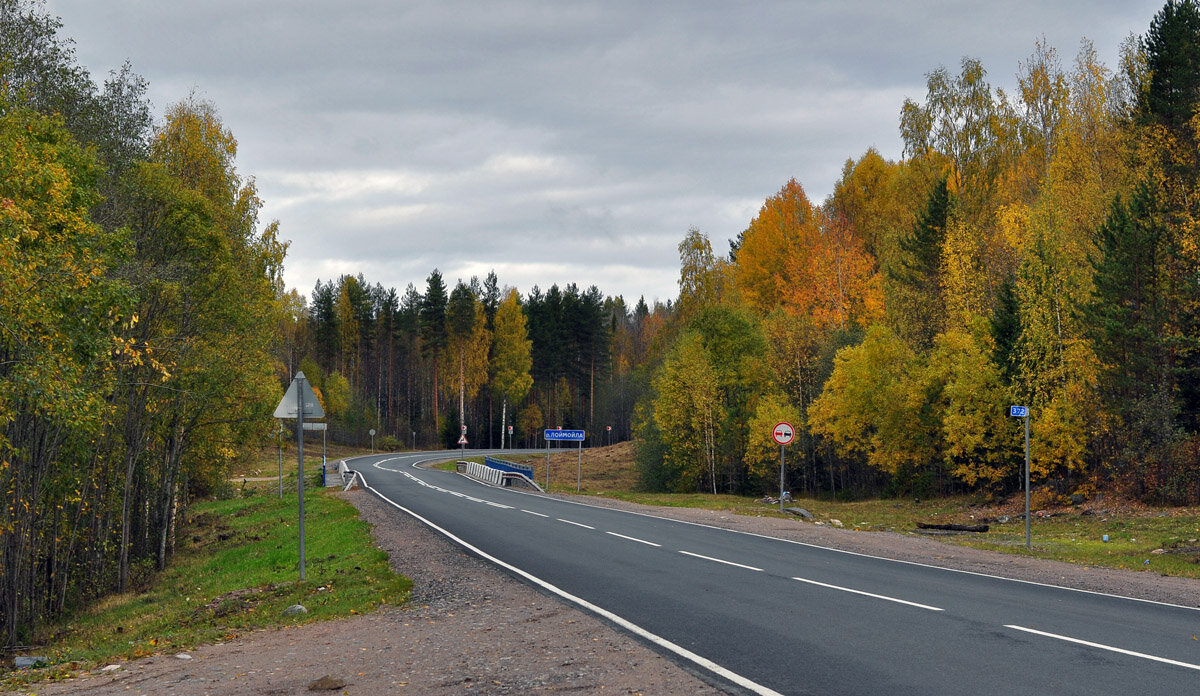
[
  {"x": 534, "y": 513},
  {"x": 1101, "y": 646},
  {"x": 577, "y": 524},
  {"x": 679, "y": 650},
  {"x": 718, "y": 560},
  {"x": 640, "y": 541},
  {"x": 868, "y": 594}
]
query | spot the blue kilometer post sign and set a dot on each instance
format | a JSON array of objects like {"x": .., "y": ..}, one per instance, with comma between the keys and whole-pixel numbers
[{"x": 1018, "y": 411}]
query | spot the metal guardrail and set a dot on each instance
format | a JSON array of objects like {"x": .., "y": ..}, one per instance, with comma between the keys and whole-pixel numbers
[
  {"x": 511, "y": 467},
  {"x": 498, "y": 477}
]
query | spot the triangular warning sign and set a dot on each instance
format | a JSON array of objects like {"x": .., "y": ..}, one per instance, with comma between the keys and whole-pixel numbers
[
  {"x": 462, "y": 440},
  {"x": 289, "y": 406}
]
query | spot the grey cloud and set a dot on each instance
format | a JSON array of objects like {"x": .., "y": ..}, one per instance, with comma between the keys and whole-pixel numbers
[{"x": 576, "y": 140}]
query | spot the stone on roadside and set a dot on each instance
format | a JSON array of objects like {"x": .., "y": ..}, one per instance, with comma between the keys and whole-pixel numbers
[
  {"x": 836, "y": 523},
  {"x": 327, "y": 683},
  {"x": 295, "y": 610},
  {"x": 799, "y": 511},
  {"x": 29, "y": 661}
]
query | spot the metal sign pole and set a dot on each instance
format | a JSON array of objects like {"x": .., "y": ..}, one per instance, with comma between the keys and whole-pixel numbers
[
  {"x": 781, "y": 478},
  {"x": 1023, "y": 412},
  {"x": 579, "y": 470},
  {"x": 300, "y": 458},
  {"x": 279, "y": 438},
  {"x": 782, "y": 433},
  {"x": 547, "y": 465},
  {"x": 1027, "y": 538}
]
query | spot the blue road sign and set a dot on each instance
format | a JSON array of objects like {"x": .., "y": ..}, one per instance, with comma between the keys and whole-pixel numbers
[
  {"x": 1018, "y": 411},
  {"x": 569, "y": 435}
]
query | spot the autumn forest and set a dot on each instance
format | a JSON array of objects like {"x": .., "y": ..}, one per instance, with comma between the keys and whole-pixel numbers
[{"x": 1039, "y": 247}]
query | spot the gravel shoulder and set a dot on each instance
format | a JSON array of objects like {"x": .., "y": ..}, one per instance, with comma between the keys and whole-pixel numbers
[{"x": 471, "y": 628}]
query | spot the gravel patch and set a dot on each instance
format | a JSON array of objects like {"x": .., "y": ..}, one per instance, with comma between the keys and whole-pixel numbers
[{"x": 471, "y": 628}]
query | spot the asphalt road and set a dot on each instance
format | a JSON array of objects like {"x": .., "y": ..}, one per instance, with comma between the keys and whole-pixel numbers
[{"x": 766, "y": 616}]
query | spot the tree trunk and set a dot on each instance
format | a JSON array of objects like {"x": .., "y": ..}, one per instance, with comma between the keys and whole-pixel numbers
[
  {"x": 167, "y": 512},
  {"x": 126, "y": 505}
]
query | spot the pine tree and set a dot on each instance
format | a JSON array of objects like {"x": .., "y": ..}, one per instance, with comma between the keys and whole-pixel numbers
[{"x": 433, "y": 332}]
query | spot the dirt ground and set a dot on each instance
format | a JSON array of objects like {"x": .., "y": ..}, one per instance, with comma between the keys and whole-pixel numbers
[{"x": 473, "y": 629}]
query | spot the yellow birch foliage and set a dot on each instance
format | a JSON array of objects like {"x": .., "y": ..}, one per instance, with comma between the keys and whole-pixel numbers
[
  {"x": 871, "y": 406},
  {"x": 762, "y": 452},
  {"x": 971, "y": 403},
  {"x": 686, "y": 410},
  {"x": 512, "y": 359},
  {"x": 467, "y": 357},
  {"x": 56, "y": 306}
]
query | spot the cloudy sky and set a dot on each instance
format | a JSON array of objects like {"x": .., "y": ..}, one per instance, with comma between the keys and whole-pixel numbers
[{"x": 557, "y": 141}]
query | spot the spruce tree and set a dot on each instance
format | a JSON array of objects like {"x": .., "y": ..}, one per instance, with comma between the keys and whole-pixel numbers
[
  {"x": 1125, "y": 318},
  {"x": 918, "y": 272}
]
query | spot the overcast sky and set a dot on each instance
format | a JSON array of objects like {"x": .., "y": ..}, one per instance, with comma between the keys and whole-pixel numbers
[{"x": 555, "y": 142}]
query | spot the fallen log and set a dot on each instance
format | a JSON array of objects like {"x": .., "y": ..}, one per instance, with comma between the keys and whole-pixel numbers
[{"x": 954, "y": 527}]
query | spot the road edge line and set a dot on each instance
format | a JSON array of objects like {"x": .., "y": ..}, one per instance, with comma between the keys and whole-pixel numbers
[
  {"x": 654, "y": 638},
  {"x": 1102, "y": 646}
]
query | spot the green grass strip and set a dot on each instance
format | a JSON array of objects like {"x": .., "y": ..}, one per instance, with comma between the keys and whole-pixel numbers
[{"x": 236, "y": 569}]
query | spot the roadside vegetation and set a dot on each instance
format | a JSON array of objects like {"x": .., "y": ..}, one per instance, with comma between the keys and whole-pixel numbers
[{"x": 235, "y": 571}]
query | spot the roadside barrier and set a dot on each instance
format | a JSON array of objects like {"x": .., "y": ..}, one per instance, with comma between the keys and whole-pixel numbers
[
  {"x": 493, "y": 474},
  {"x": 480, "y": 472},
  {"x": 511, "y": 467}
]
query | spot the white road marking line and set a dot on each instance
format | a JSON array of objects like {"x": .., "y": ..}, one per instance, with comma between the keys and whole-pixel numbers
[
  {"x": 718, "y": 560},
  {"x": 534, "y": 513},
  {"x": 1101, "y": 646},
  {"x": 577, "y": 524},
  {"x": 702, "y": 662},
  {"x": 640, "y": 541},
  {"x": 865, "y": 555},
  {"x": 868, "y": 594},
  {"x": 456, "y": 494}
]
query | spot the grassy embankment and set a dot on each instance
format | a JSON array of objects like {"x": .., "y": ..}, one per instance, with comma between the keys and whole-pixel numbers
[
  {"x": 1071, "y": 533},
  {"x": 235, "y": 570}
]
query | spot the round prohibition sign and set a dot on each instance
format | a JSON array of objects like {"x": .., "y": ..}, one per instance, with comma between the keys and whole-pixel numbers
[{"x": 783, "y": 433}]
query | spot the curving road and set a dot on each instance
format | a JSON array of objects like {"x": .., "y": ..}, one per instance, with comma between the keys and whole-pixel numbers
[{"x": 768, "y": 616}]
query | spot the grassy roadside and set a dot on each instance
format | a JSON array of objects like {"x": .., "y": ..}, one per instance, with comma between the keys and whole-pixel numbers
[
  {"x": 1160, "y": 540},
  {"x": 235, "y": 570}
]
